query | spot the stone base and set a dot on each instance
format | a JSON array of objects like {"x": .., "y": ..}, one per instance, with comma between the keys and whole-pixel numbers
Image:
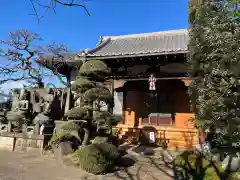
[
  {"x": 21, "y": 142},
  {"x": 63, "y": 149},
  {"x": 6, "y": 143},
  {"x": 26, "y": 144}
]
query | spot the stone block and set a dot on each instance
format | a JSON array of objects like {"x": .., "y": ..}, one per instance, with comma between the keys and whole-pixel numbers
[
  {"x": 233, "y": 164},
  {"x": 7, "y": 143},
  {"x": 63, "y": 149},
  {"x": 148, "y": 152},
  {"x": 36, "y": 129},
  {"x": 58, "y": 125},
  {"x": 25, "y": 144}
]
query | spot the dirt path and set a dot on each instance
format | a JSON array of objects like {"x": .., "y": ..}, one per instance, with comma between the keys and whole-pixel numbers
[{"x": 33, "y": 166}]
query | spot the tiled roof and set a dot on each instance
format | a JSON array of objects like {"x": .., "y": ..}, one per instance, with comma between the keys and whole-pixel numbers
[{"x": 164, "y": 42}]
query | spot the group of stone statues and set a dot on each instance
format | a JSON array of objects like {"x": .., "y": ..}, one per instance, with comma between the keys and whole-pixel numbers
[{"x": 37, "y": 108}]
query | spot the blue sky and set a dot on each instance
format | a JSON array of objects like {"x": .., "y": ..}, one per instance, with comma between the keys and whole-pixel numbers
[{"x": 72, "y": 26}]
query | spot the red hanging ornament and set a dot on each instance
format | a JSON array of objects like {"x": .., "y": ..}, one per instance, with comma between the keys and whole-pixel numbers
[{"x": 152, "y": 81}]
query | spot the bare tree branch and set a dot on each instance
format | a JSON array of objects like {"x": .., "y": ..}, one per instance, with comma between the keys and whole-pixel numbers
[
  {"x": 51, "y": 5},
  {"x": 20, "y": 56},
  {"x": 72, "y": 3},
  {"x": 57, "y": 54}
]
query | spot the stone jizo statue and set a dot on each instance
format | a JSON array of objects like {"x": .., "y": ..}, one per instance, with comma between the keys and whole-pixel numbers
[
  {"x": 43, "y": 119},
  {"x": 20, "y": 108}
]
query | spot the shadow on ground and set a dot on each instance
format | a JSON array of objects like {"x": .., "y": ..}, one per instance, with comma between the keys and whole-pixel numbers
[
  {"x": 147, "y": 163},
  {"x": 156, "y": 163}
]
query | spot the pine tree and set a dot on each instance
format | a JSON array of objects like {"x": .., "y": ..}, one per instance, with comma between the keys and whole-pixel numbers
[
  {"x": 214, "y": 60},
  {"x": 89, "y": 86}
]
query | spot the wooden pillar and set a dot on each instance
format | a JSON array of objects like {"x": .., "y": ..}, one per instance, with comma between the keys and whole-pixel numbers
[
  {"x": 110, "y": 86},
  {"x": 130, "y": 108},
  {"x": 68, "y": 98}
]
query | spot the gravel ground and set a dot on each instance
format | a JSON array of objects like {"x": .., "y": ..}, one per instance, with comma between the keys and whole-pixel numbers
[{"x": 33, "y": 166}]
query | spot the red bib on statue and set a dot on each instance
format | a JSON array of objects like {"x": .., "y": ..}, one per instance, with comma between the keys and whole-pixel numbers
[{"x": 152, "y": 85}]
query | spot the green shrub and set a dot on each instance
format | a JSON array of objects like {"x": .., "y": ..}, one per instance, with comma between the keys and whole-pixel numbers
[
  {"x": 234, "y": 176},
  {"x": 77, "y": 113},
  {"x": 100, "y": 139},
  {"x": 60, "y": 137},
  {"x": 70, "y": 126},
  {"x": 110, "y": 150},
  {"x": 96, "y": 158},
  {"x": 106, "y": 139},
  {"x": 192, "y": 165},
  {"x": 114, "y": 132},
  {"x": 114, "y": 140}
]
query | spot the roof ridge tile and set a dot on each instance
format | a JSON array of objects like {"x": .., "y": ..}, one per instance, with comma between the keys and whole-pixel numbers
[{"x": 146, "y": 35}]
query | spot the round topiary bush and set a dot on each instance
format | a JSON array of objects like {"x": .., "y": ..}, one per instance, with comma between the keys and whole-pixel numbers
[
  {"x": 77, "y": 113},
  {"x": 96, "y": 158},
  {"x": 192, "y": 165}
]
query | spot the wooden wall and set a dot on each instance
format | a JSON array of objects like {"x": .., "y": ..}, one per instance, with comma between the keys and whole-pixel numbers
[
  {"x": 174, "y": 138},
  {"x": 180, "y": 134}
]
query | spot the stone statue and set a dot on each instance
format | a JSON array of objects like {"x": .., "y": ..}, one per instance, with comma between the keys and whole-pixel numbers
[
  {"x": 37, "y": 106},
  {"x": 44, "y": 110},
  {"x": 19, "y": 111},
  {"x": 44, "y": 115},
  {"x": 21, "y": 103}
]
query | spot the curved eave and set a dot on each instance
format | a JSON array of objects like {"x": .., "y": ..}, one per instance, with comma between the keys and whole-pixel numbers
[
  {"x": 100, "y": 45},
  {"x": 61, "y": 65}
]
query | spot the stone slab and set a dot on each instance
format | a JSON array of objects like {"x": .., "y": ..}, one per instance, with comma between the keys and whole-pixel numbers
[
  {"x": 233, "y": 163},
  {"x": 63, "y": 149},
  {"x": 25, "y": 144},
  {"x": 6, "y": 143},
  {"x": 22, "y": 143}
]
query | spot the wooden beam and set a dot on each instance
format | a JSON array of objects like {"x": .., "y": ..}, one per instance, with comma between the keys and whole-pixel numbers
[
  {"x": 162, "y": 78},
  {"x": 135, "y": 55}
]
